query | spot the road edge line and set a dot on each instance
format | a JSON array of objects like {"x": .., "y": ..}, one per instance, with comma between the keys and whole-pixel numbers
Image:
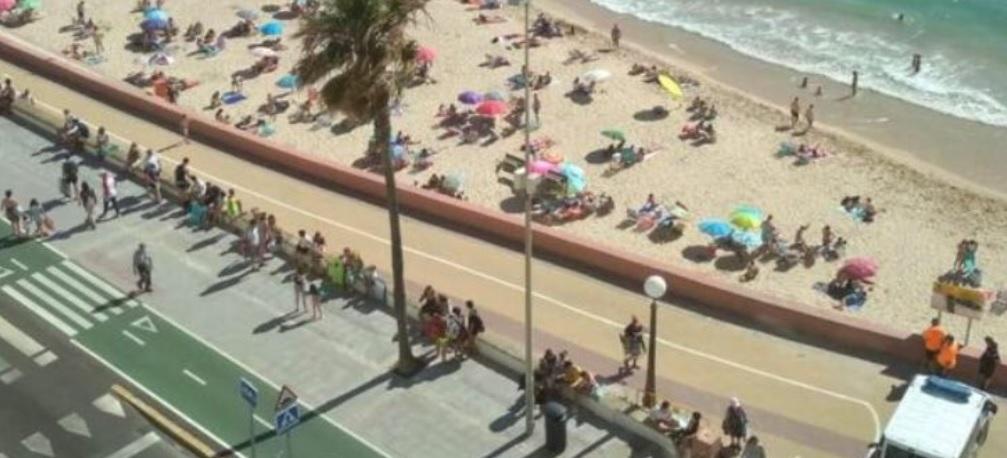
[{"x": 163, "y": 423}]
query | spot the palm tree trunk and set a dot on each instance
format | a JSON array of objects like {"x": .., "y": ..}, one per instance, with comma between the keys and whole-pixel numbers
[{"x": 408, "y": 364}]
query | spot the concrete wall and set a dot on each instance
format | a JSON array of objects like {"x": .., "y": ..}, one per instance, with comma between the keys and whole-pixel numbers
[{"x": 783, "y": 316}]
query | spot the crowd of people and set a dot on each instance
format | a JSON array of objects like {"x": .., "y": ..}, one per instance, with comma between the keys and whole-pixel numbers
[{"x": 452, "y": 331}]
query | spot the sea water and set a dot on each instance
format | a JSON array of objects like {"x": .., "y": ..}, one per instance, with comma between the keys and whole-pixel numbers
[{"x": 963, "y": 43}]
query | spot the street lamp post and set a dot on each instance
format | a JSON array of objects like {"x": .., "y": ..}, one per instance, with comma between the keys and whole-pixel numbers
[
  {"x": 654, "y": 287},
  {"x": 529, "y": 385}
]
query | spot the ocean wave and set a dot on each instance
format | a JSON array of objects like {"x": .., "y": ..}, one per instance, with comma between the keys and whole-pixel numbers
[{"x": 948, "y": 83}]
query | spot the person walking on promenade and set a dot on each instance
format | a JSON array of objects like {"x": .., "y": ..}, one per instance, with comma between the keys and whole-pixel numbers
[
  {"x": 933, "y": 337},
  {"x": 988, "y": 363},
  {"x": 71, "y": 179},
  {"x": 457, "y": 333},
  {"x": 315, "y": 299},
  {"x": 110, "y": 196},
  {"x": 795, "y": 112},
  {"x": 475, "y": 324},
  {"x": 88, "y": 200},
  {"x": 854, "y": 83},
  {"x": 38, "y": 218},
  {"x": 250, "y": 241},
  {"x": 947, "y": 357},
  {"x": 299, "y": 299},
  {"x": 632, "y": 345},
  {"x": 152, "y": 172},
  {"x": 735, "y": 424},
  {"x": 143, "y": 266},
  {"x": 12, "y": 213},
  {"x": 616, "y": 36},
  {"x": 182, "y": 174}
]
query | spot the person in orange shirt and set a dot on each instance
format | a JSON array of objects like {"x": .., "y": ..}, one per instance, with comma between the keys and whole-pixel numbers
[
  {"x": 947, "y": 357},
  {"x": 933, "y": 338}
]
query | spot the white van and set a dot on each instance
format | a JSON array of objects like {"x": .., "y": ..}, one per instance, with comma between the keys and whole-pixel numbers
[{"x": 937, "y": 418}]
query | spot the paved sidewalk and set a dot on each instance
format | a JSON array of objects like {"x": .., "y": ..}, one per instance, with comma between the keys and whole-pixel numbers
[{"x": 338, "y": 364}]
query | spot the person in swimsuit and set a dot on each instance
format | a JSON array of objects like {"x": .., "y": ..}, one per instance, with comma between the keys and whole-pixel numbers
[
  {"x": 795, "y": 112},
  {"x": 299, "y": 291},
  {"x": 11, "y": 212}
]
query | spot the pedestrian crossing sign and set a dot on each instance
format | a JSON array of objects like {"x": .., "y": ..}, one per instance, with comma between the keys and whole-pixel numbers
[{"x": 285, "y": 398}]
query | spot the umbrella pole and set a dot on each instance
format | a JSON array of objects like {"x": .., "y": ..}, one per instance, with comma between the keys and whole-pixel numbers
[{"x": 529, "y": 386}]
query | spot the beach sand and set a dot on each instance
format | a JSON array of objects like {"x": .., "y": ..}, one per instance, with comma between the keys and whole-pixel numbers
[{"x": 914, "y": 239}]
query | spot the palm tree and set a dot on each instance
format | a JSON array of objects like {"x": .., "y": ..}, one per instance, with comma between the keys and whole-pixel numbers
[{"x": 360, "y": 49}]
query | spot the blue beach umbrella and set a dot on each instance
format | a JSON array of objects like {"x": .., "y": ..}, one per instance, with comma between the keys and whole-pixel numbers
[
  {"x": 715, "y": 228},
  {"x": 288, "y": 81},
  {"x": 470, "y": 97},
  {"x": 156, "y": 14},
  {"x": 153, "y": 24},
  {"x": 750, "y": 240},
  {"x": 575, "y": 178},
  {"x": 271, "y": 29},
  {"x": 495, "y": 95}
]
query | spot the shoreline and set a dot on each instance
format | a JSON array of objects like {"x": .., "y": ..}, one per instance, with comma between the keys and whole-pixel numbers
[{"x": 914, "y": 136}]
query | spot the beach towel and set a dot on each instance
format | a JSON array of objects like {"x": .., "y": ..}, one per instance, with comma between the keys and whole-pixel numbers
[{"x": 231, "y": 98}]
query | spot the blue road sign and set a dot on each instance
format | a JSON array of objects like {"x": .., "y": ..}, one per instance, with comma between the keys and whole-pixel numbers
[
  {"x": 248, "y": 392},
  {"x": 287, "y": 418}
]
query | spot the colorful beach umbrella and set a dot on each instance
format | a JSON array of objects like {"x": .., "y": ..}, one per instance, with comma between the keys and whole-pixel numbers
[
  {"x": 156, "y": 15},
  {"x": 7, "y": 5},
  {"x": 153, "y": 24},
  {"x": 715, "y": 227},
  {"x": 470, "y": 97},
  {"x": 859, "y": 268},
  {"x": 426, "y": 54},
  {"x": 670, "y": 85},
  {"x": 495, "y": 95},
  {"x": 597, "y": 75},
  {"x": 614, "y": 134},
  {"x": 271, "y": 29},
  {"x": 248, "y": 15},
  {"x": 288, "y": 81},
  {"x": 747, "y": 217},
  {"x": 492, "y": 108},
  {"x": 541, "y": 167},
  {"x": 750, "y": 240},
  {"x": 29, "y": 4}
]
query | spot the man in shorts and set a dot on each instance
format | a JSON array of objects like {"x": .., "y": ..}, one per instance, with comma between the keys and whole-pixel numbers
[{"x": 70, "y": 179}]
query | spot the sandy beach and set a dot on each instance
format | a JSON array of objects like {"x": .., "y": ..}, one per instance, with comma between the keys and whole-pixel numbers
[{"x": 924, "y": 214}]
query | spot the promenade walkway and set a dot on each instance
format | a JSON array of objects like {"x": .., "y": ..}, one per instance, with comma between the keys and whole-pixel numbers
[{"x": 803, "y": 400}]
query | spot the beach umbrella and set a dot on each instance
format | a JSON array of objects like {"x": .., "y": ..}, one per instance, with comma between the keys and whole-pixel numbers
[
  {"x": 470, "y": 97},
  {"x": 614, "y": 134},
  {"x": 451, "y": 183},
  {"x": 288, "y": 81},
  {"x": 576, "y": 180},
  {"x": 495, "y": 95},
  {"x": 541, "y": 167},
  {"x": 597, "y": 75},
  {"x": 715, "y": 228},
  {"x": 271, "y": 29},
  {"x": 156, "y": 15},
  {"x": 398, "y": 151},
  {"x": 670, "y": 85},
  {"x": 153, "y": 24},
  {"x": 860, "y": 268},
  {"x": 262, "y": 51},
  {"x": 747, "y": 217},
  {"x": 426, "y": 54},
  {"x": 29, "y": 4},
  {"x": 492, "y": 108},
  {"x": 6, "y": 5},
  {"x": 750, "y": 240},
  {"x": 248, "y": 15},
  {"x": 160, "y": 59}
]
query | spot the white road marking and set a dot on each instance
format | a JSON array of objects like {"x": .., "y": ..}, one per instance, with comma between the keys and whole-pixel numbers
[
  {"x": 110, "y": 405},
  {"x": 136, "y": 447},
  {"x": 10, "y": 376},
  {"x": 67, "y": 296},
  {"x": 37, "y": 443},
  {"x": 194, "y": 377},
  {"x": 52, "y": 302},
  {"x": 19, "y": 264},
  {"x": 146, "y": 324},
  {"x": 174, "y": 410},
  {"x": 76, "y": 424},
  {"x": 5, "y": 272},
  {"x": 779, "y": 378},
  {"x": 46, "y": 358},
  {"x": 39, "y": 310},
  {"x": 97, "y": 282},
  {"x": 80, "y": 288},
  {"x": 19, "y": 340},
  {"x": 134, "y": 338}
]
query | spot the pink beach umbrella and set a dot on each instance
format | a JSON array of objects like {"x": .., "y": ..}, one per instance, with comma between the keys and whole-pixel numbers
[
  {"x": 426, "y": 54},
  {"x": 860, "y": 268},
  {"x": 492, "y": 108},
  {"x": 6, "y": 5},
  {"x": 541, "y": 167}
]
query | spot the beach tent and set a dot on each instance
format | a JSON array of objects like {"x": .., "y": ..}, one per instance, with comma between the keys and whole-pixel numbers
[{"x": 670, "y": 85}]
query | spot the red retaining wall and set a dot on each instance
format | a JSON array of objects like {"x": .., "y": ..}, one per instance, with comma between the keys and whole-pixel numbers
[{"x": 784, "y": 316}]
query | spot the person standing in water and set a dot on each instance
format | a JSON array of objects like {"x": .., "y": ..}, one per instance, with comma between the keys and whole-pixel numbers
[
  {"x": 616, "y": 36},
  {"x": 917, "y": 63},
  {"x": 795, "y": 112},
  {"x": 856, "y": 80}
]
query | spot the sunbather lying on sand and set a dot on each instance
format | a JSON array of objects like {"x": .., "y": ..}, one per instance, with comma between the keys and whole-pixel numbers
[
  {"x": 483, "y": 19},
  {"x": 495, "y": 61}
]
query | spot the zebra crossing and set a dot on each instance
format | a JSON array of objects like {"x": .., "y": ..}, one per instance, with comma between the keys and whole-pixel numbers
[{"x": 68, "y": 297}]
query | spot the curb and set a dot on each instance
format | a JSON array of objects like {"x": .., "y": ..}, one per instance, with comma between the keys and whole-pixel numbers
[{"x": 164, "y": 424}]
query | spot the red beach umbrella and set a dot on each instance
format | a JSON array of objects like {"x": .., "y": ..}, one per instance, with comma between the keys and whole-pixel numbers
[
  {"x": 492, "y": 108},
  {"x": 861, "y": 268},
  {"x": 426, "y": 54}
]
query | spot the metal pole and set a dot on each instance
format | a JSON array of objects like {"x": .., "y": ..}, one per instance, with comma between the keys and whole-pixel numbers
[
  {"x": 650, "y": 390},
  {"x": 290, "y": 450},
  {"x": 251, "y": 427},
  {"x": 968, "y": 331},
  {"x": 529, "y": 367}
]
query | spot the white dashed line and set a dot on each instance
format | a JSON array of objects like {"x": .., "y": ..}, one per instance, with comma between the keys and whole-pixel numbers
[
  {"x": 134, "y": 338},
  {"x": 194, "y": 377}
]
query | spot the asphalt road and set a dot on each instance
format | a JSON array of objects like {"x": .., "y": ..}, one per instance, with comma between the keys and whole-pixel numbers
[{"x": 55, "y": 399}]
